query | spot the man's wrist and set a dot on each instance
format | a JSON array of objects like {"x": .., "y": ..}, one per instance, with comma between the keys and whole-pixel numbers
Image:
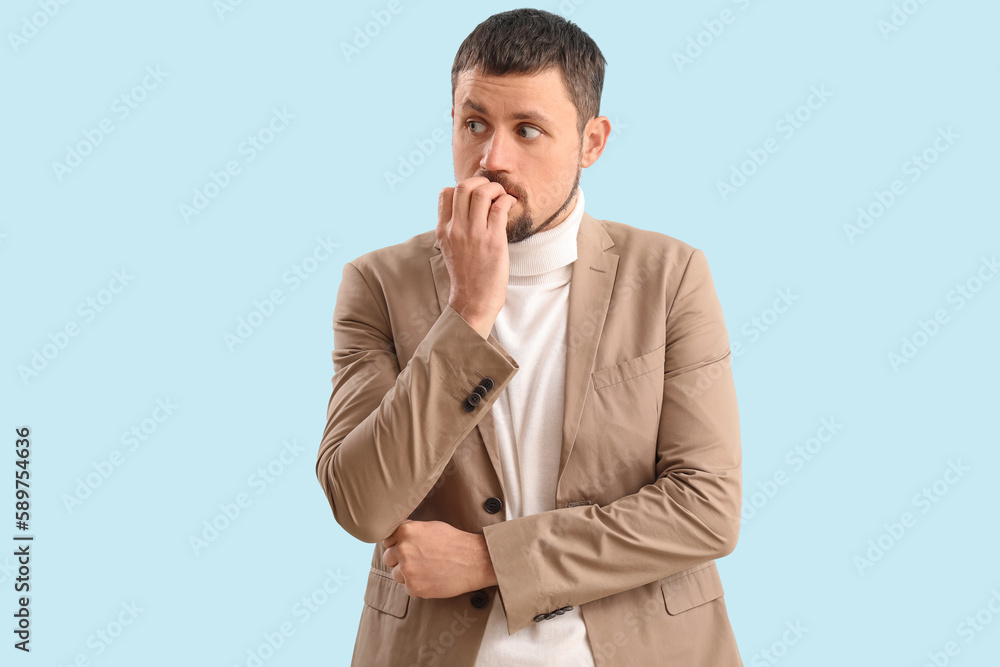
[
  {"x": 482, "y": 325},
  {"x": 485, "y": 574}
]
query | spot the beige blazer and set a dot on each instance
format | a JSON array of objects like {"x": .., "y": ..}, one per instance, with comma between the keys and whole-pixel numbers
[{"x": 649, "y": 482}]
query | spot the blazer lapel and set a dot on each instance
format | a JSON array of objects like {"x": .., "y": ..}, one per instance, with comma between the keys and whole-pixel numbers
[
  {"x": 591, "y": 282},
  {"x": 590, "y": 288}
]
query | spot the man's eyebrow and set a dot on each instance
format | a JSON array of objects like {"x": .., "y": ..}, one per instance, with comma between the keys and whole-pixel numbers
[{"x": 520, "y": 115}]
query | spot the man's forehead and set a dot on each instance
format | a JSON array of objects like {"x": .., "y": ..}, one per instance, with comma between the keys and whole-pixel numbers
[
  {"x": 541, "y": 77},
  {"x": 521, "y": 96}
]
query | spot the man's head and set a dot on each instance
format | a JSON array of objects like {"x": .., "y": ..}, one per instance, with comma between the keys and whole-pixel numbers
[{"x": 526, "y": 93}]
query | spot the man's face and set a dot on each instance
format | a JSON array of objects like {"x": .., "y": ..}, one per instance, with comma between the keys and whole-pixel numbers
[{"x": 520, "y": 131}]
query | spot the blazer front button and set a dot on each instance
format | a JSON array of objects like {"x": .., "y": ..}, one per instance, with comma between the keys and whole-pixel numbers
[
  {"x": 480, "y": 599},
  {"x": 493, "y": 505}
]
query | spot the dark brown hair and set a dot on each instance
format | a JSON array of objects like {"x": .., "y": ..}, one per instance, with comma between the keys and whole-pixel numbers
[{"x": 528, "y": 41}]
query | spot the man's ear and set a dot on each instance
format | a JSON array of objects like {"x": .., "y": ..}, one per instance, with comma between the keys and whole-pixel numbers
[{"x": 595, "y": 138}]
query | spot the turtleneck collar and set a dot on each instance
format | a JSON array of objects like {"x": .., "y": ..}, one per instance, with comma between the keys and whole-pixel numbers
[{"x": 546, "y": 251}]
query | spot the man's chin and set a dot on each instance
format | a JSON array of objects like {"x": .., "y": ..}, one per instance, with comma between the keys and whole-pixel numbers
[{"x": 517, "y": 230}]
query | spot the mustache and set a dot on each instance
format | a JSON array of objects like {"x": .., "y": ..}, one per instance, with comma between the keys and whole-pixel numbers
[{"x": 504, "y": 182}]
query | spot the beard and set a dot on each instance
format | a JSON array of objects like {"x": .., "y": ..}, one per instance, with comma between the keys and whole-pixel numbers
[{"x": 521, "y": 226}]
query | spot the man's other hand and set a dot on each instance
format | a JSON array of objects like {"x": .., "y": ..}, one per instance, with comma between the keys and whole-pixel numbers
[{"x": 436, "y": 560}]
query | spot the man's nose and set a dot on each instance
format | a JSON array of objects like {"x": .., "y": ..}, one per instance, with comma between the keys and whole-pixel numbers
[{"x": 497, "y": 153}]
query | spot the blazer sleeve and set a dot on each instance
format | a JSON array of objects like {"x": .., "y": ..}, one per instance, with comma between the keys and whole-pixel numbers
[
  {"x": 688, "y": 515},
  {"x": 390, "y": 432}
]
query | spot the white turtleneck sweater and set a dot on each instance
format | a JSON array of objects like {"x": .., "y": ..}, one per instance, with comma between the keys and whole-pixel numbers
[{"x": 531, "y": 326}]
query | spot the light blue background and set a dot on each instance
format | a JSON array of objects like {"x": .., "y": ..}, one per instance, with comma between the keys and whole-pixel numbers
[{"x": 678, "y": 132}]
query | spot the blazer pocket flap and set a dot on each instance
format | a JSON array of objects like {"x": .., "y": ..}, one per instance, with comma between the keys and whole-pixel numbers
[
  {"x": 688, "y": 589},
  {"x": 386, "y": 594},
  {"x": 627, "y": 370}
]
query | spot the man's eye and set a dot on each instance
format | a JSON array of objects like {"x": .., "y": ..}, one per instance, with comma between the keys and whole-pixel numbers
[
  {"x": 537, "y": 132},
  {"x": 470, "y": 123}
]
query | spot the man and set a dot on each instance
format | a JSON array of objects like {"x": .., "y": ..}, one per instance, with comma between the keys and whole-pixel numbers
[{"x": 533, "y": 415}]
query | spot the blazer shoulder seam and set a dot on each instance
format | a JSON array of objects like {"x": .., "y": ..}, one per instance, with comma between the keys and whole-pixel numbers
[{"x": 670, "y": 308}]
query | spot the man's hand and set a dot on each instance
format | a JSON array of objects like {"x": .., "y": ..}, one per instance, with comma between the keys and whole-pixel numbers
[
  {"x": 436, "y": 560},
  {"x": 472, "y": 231}
]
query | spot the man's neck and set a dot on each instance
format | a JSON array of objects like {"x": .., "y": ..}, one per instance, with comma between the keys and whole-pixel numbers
[
  {"x": 550, "y": 249},
  {"x": 544, "y": 227}
]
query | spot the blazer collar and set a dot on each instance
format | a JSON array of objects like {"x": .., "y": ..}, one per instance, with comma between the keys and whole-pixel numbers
[{"x": 593, "y": 277}]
